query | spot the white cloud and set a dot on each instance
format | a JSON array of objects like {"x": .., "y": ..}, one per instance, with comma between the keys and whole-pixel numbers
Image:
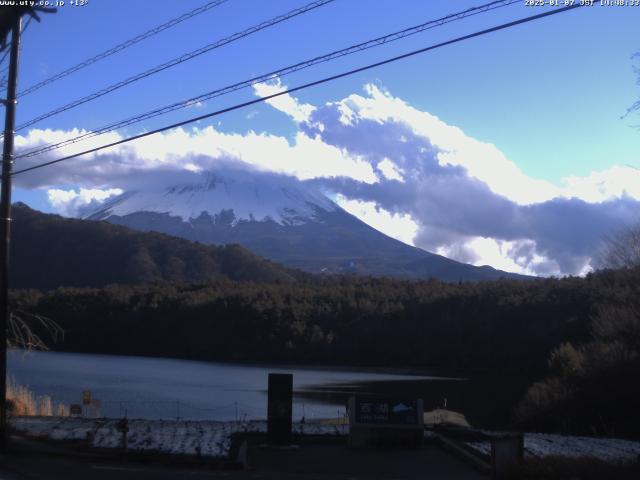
[
  {"x": 70, "y": 203},
  {"x": 481, "y": 160},
  {"x": 398, "y": 226},
  {"x": 403, "y": 171},
  {"x": 300, "y": 112},
  {"x": 37, "y": 138},
  {"x": 193, "y": 150},
  {"x": 390, "y": 170},
  {"x": 518, "y": 256},
  {"x": 616, "y": 182},
  {"x": 467, "y": 198}
]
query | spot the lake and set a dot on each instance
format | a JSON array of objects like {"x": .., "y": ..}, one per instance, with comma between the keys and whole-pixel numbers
[
  {"x": 156, "y": 388},
  {"x": 162, "y": 388}
]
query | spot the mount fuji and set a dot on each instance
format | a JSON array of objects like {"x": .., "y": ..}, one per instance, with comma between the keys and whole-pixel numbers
[{"x": 279, "y": 218}]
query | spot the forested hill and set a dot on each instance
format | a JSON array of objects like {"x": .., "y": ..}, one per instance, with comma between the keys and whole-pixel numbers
[
  {"x": 48, "y": 251},
  {"x": 586, "y": 329},
  {"x": 498, "y": 325}
]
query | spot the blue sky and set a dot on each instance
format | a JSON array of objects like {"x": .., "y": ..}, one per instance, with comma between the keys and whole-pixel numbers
[{"x": 549, "y": 95}]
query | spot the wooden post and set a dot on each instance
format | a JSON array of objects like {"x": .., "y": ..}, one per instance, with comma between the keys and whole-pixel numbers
[{"x": 279, "y": 408}]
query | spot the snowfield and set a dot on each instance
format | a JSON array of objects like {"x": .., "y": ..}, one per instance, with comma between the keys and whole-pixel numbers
[
  {"x": 201, "y": 438},
  {"x": 544, "y": 444},
  {"x": 212, "y": 439}
]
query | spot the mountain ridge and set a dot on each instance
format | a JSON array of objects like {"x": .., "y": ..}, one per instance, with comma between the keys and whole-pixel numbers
[
  {"x": 50, "y": 251},
  {"x": 274, "y": 217}
]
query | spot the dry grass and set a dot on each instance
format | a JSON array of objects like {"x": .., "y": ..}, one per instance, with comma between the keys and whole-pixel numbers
[
  {"x": 441, "y": 416},
  {"x": 22, "y": 401},
  {"x": 333, "y": 421}
]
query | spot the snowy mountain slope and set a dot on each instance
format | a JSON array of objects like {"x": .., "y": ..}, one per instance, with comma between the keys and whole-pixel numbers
[
  {"x": 281, "y": 219},
  {"x": 248, "y": 195}
]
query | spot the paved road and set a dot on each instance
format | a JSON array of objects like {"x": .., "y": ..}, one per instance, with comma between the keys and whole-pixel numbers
[
  {"x": 321, "y": 462},
  {"x": 30, "y": 467},
  {"x": 336, "y": 461}
]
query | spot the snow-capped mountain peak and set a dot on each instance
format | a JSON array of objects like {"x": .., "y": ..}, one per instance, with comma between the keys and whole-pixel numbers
[
  {"x": 248, "y": 196},
  {"x": 277, "y": 217}
]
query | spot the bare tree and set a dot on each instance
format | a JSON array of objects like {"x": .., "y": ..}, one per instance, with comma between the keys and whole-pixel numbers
[
  {"x": 623, "y": 249},
  {"x": 25, "y": 329},
  {"x": 636, "y": 106}
]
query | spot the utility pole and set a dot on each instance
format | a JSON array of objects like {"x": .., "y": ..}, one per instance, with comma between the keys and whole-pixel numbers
[
  {"x": 10, "y": 21},
  {"x": 5, "y": 218}
]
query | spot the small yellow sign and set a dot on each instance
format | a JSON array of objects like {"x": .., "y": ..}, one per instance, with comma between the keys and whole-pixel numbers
[{"x": 86, "y": 397}]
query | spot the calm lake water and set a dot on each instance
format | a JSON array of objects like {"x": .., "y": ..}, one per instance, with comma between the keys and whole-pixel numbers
[{"x": 166, "y": 388}]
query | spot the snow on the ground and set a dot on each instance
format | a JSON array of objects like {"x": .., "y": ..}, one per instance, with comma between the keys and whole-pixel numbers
[
  {"x": 544, "y": 444},
  {"x": 213, "y": 439},
  {"x": 205, "y": 438}
]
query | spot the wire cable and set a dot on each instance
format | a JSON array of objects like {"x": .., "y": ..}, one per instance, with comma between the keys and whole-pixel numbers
[
  {"x": 306, "y": 85},
  {"x": 5, "y": 70},
  {"x": 178, "y": 60},
  {"x": 4, "y": 57},
  {"x": 274, "y": 74},
  {"x": 124, "y": 45}
]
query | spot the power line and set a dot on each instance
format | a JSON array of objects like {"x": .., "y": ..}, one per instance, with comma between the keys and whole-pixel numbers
[
  {"x": 306, "y": 85},
  {"x": 5, "y": 70},
  {"x": 4, "y": 57},
  {"x": 178, "y": 60},
  {"x": 275, "y": 74},
  {"x": 122, "y": 46}
]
